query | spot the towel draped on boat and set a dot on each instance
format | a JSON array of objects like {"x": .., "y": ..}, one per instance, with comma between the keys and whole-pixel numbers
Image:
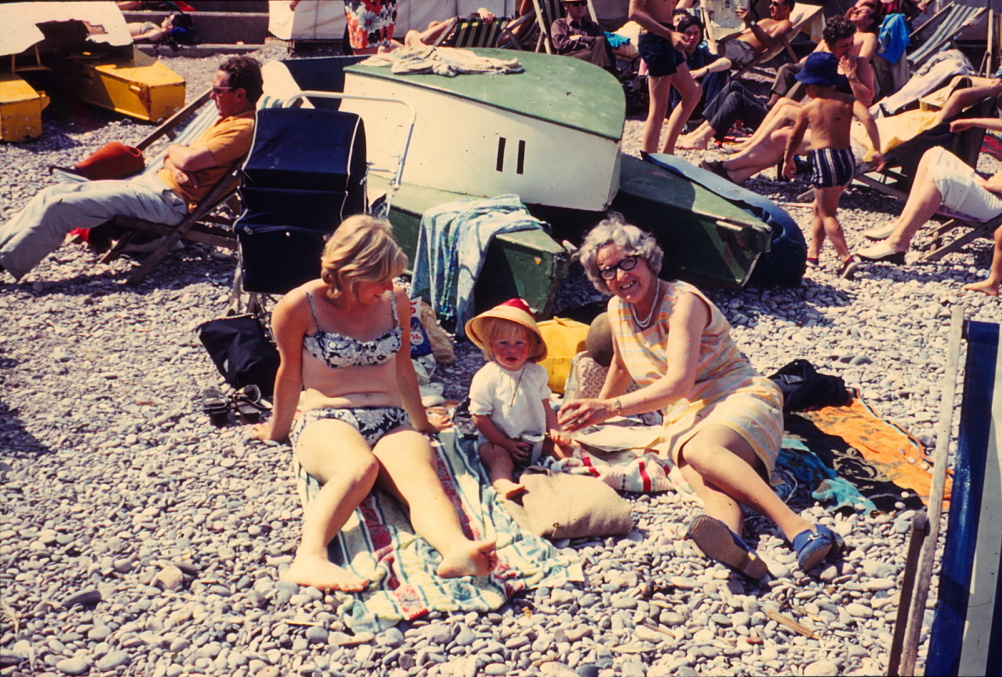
[
  {"x": 379, "y": 543},
  {"x": 446, "y": 61},
  {"x": 452, "y": 246}
]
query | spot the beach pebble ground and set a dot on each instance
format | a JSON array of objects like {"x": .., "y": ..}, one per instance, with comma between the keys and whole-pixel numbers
[{"x": 138, "y": 539}]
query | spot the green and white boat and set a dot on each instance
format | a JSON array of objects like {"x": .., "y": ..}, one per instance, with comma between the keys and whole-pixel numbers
[{"x": 551, "y": 135}]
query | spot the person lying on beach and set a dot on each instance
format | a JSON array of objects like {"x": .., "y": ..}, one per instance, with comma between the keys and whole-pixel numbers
[
  {"x": 737, "y": 103},
  {"x": 829, "y": 115},
  {"x": 345, "y": 363},
  {"x": 723, "y": 422},
  {"x": 438, "y": 31},
  {"x": 509, "y": 396},
  {"x": 769, "y": 151},
  {"x": 760, "y": 35}
]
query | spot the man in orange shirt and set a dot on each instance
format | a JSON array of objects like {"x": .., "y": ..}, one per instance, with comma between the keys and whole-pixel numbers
[{"x": 187, "y": 176}]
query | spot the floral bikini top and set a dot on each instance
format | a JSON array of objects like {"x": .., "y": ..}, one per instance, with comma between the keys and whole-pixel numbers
[{"x": 338, "y": 351}]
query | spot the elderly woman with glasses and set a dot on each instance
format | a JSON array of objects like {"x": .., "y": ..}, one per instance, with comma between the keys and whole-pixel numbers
[{"x": 722, "y": 421}]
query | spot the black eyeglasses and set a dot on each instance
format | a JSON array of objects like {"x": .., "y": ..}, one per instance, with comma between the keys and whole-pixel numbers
[
  {"x": 625, "y": 264},
  {"x": 574, "y": 3},
  {"x": 220, "y": 90}
]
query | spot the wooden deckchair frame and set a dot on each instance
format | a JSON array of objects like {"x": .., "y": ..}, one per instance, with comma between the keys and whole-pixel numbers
[{"x": 203, "y": 224}]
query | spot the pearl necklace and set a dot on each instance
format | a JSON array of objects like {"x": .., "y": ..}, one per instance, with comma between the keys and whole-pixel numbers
[{"x": 650, "y": 316}]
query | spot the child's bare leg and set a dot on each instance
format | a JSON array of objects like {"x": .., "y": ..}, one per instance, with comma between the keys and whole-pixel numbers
[
  {"x": 501, "y": 469},
  {"x": 990, "y": 285},
  {"x": 409, "y": 473},
  {"x": 826, "y": 200},
  {"x": 658, "y": 91},
  {"x": 334, "y": 453},
  {"x": 817, "y": 233},
  {"x": 690, "y": 92}
]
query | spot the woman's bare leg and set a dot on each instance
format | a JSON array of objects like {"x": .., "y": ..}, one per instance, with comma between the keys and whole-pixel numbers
[
  {"x": 990, "y": 285},
  {"x": 783, "y": 114},
  {"x": 728, "y": 476},
  {"x": 408, "y": 472},
  {"x": 742, "y": 166},
  {"x": 922, "y": 203},
  {"x": 334, "y": 453}
]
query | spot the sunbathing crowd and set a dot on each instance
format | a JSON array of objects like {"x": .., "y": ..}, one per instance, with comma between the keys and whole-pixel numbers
[{"x": 346, "y": 393}]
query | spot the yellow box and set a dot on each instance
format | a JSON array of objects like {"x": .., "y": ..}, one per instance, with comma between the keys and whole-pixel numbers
[
  {"x": 140, "y": 87},
  {"x": 20, "y": 109}
]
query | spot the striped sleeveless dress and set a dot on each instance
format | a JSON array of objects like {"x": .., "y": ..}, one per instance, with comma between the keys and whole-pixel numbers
[{"x": 728, "y": 390}]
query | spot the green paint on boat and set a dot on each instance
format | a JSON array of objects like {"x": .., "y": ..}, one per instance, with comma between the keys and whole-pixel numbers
[
  {"x": 557, "y": 89},
  {"x": 706, "y": 238}
]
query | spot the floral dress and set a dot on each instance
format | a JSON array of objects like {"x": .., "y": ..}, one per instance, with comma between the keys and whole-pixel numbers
[{"x": 370, "y": 22}]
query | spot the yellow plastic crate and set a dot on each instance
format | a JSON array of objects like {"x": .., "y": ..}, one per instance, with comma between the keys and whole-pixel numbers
[{"x": 20, "y": 109}]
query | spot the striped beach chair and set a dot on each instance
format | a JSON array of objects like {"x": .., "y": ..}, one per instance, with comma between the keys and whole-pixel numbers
[{"x": 967, "y": 625}]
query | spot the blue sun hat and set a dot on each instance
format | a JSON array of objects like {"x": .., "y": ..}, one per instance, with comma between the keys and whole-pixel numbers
[{"x": 820, "y": 69}]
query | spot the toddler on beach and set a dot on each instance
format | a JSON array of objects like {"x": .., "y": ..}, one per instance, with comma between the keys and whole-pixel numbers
[
  {"x": 509, "y": 396},
  {"x": 829, "y": 115}
]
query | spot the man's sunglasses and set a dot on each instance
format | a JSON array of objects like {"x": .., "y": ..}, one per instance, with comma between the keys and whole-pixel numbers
[{"x": 574, "y": 3}]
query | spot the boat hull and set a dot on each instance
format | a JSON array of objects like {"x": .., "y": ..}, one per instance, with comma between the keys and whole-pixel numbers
[
  {"x": 485, "y": 135},
  {"x": 707, "y": 240}
]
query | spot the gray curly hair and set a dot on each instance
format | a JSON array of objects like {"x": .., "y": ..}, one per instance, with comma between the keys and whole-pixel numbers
[{"x": 633, "y": 241}]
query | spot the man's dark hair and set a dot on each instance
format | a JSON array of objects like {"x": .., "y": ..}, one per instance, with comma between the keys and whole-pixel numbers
[
  {"x": 837, "y": 28},
  {"x": 244, "y": 73},
  {"x": 688, "y": 20}
]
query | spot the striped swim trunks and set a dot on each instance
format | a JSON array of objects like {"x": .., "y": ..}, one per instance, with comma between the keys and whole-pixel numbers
[{"x": 832, "y": 167}]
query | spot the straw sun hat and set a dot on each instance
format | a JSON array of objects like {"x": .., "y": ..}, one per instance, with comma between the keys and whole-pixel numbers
[{"x": 513, "y": 310}]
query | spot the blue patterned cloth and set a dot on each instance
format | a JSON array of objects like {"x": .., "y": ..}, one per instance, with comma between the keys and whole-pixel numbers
[{"x": 452, "y": 246}]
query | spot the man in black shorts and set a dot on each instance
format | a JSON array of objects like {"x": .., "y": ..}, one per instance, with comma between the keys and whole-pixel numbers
[{"x": 661, "y": 48}]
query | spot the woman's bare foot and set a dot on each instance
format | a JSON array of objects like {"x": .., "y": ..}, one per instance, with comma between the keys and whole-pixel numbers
[
  {"x": 508, "y": 489},
  {"x": 985, "y": 287},
  {"x": 471, "y": 558},
  {"x": 322, "y": 574}
]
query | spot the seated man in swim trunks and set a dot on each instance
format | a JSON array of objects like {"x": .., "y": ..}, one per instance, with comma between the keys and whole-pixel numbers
[
  {"x": 662, "y": 49},
  {"x": 759, "y": 36}
]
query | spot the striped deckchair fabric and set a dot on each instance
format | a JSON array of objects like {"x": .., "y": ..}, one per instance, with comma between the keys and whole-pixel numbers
[
  {"x": 945, "y": 25},
  {"x": 964, "y": 639},
  {"x": 475, "y": 32}
]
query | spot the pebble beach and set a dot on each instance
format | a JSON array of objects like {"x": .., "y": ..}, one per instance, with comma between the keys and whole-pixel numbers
[{"x": 138, "y": 539}]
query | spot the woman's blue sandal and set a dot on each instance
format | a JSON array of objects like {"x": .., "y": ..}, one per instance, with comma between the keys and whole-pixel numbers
[
  {"x": 719, "y": 543},
  {"x": 814, "y": 545}
]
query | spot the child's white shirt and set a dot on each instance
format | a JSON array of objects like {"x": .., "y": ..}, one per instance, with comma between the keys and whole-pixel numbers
[{"x": 513, "y": 400}]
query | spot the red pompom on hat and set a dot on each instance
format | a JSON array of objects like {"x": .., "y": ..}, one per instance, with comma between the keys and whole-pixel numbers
[{"x": 514, "y": 310}]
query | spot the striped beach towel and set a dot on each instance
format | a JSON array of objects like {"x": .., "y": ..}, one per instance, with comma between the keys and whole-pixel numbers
[{"x": 379, "y": 543}]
